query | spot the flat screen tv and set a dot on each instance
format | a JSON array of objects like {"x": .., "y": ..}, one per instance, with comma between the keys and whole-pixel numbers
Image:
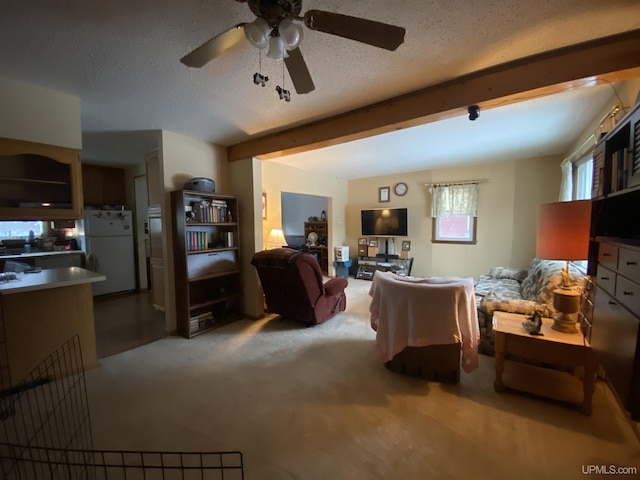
[{"x": 384, "y": 222}]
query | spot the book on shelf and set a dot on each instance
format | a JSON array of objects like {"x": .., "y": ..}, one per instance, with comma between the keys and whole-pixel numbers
[
  {"x": 201, "y": 321},
  {"x": 210, "y": 211},
  {"x": 196, "y": 240}
]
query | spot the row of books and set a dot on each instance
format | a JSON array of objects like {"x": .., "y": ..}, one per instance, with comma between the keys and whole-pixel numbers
[
  {"x": 199, "y": 322},
  {"x": 621, "y": 164},
  {"x": 201, "y": 240},
  {"x": 196, "y": 240},
  {"x": 211, "y": 211}
]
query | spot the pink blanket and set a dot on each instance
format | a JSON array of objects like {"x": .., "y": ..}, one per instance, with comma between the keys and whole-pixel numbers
[{"x": 416, "y": 312}]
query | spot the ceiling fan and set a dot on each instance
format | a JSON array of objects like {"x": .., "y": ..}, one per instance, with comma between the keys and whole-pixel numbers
[{"x": 274, "y": 27}]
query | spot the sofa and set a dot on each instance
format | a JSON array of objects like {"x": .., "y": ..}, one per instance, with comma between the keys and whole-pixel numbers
[
  {"x": 518, "y": 291},
  {"x": 294, "y": 287}
]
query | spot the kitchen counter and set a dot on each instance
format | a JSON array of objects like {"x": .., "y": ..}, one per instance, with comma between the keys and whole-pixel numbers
[
  {"x": 41, "y": 311},
  {"x": 42, "y": 253},
  {"x": 49, "y": 278}
]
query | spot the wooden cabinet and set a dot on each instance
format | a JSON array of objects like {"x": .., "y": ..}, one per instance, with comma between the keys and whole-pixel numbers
[
  {"x": 319, "y": 250},
  {"x": 59, "y": 261},
  {"x": 616, "y": 158},
  {"x": 614, "y": 260},
  {"x": 39, "y": 182},
  {"x": 103, "y": 185},
  {"x": 207, "y": 269},
  {"x": 616, "y": 320}
]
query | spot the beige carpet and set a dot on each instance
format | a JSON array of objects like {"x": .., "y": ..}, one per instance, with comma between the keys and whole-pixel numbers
[{"x": 316, "y": 403}]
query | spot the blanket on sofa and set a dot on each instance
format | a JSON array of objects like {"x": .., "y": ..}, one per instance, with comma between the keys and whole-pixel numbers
[
  {"x": 417, "y": 312},
  {"x": 519, "y": 291}
]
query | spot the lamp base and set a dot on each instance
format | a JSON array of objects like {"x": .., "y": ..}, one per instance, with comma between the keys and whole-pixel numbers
[{"x": 565, "y": 324}]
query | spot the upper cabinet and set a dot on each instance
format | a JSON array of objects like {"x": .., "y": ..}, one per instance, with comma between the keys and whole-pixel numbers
[
  {"x": 39, "y": 182},
  {"x": 102, "y": 186},
  {"x": 616, "y": 158}
]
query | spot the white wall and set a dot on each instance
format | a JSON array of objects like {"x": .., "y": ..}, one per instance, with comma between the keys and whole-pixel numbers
[
  {"x": 246, "y": 182},
  {"x": 278, "y": 178},
  {"x": 507, "y": 214},
  {"x": 183, "y": 158},
  {"x": 40, "y": 115},
  {"x": 297, "y": 208}
]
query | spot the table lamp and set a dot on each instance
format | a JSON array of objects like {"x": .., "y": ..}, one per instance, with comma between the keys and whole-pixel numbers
[
  {"x": 563, "y": 234},
  {"x": 276, "y": 239}
]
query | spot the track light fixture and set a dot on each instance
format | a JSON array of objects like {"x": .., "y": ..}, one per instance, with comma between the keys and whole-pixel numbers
[{"x": 474, "y": 112}]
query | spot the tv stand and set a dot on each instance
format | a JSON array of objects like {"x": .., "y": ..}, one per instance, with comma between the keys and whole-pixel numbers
[{"x": 367, "y": 266}]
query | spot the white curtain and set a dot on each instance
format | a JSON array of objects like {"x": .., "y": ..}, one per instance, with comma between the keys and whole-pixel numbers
[
  {"x": 454, "y": 200},
  {"x": 566, "y": 185}
]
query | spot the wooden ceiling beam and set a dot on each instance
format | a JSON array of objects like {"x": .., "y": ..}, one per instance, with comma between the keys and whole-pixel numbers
[{"x": 550, "y": 72}]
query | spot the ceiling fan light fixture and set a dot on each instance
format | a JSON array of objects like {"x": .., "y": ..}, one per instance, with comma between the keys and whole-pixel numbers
[
  {"x": 290, "y": 33},
  {"x": 257, "y": 32},
  {"x": 277, "y": 49}
]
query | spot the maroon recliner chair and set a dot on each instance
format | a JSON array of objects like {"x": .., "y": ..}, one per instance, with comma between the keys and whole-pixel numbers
[{"x": 293, "y": 286}]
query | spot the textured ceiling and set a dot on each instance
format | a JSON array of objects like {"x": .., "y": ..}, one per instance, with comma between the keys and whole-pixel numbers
[{"x": 121, "y": 57}]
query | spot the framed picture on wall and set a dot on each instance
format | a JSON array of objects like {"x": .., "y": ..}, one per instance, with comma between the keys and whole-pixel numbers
[
  {"x": 373, "y": 242},
  {"x": 406, "y": 245},
  {"x": 264, "y": 205},
  {"x": 362, "y": 241},
  {"x": 383, "y": 194}
]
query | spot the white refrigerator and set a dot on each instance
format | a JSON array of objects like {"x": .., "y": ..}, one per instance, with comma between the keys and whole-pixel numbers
[{"x": 107, "y": 241}]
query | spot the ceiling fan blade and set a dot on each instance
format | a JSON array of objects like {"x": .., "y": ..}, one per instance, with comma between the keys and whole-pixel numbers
[
  {"x": 299, "y": 72},
  {"x": 214, "y": 47},
  {"x": 370, "y": 32}
]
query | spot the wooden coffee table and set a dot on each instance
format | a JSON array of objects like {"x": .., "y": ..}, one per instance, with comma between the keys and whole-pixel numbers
[{"x": 542, "y": 365}]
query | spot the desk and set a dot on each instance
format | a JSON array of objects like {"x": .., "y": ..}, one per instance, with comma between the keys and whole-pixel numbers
[{"x": 535, "y": 364}]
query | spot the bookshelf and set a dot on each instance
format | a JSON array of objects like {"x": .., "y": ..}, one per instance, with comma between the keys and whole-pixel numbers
[{"x": 206, "y": 261}]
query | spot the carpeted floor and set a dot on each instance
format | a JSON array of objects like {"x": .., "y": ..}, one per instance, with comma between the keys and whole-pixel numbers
[{"x": 316, "y": 403}]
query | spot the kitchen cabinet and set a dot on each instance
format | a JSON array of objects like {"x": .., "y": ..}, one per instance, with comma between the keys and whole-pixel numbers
[
  {"x": 206, "y": 261},
  {"x": 40, "y": 312},
  {"x": 60, "y": 260},
  {"x": 39, "y": 182},
  {"x": 103, "y": 186}
]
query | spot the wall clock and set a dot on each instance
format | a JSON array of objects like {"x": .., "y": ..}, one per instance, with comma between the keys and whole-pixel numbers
[{"x": 400, "y": 188}]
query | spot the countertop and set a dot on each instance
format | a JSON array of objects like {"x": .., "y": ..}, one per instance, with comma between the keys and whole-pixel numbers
[
  {"x": 13, "y": 256},
  {"x": 49, "y": 278}
]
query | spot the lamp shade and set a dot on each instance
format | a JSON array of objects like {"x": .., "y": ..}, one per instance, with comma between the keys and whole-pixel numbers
[
  {"x": 563, "y": 230},
  {"x": 276, "y": 237},
  {"x": 277, "y": 48},
  {"x": 257, "y": 32}
]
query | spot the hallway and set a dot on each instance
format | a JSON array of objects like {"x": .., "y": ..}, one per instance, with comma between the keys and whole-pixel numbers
[{"x": 126, "y": 321}]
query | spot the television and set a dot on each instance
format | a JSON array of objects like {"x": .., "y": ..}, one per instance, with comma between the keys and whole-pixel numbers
[{"x": 384, "y": 222}]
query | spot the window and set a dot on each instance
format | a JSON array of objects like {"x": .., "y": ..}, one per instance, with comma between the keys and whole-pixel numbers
[
  {"x": 21, "y": 229},
  {"x": 453, "y": 209},
  {"x": 584, "y": 179},
  {"x": 454, "y": 229}
]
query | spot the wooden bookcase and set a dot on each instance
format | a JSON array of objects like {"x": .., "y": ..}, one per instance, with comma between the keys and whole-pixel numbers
[
  {"x": 320, "y": 249},
  {"x": 610, "y": 316},
  {"x": 206, "y": 261}
]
